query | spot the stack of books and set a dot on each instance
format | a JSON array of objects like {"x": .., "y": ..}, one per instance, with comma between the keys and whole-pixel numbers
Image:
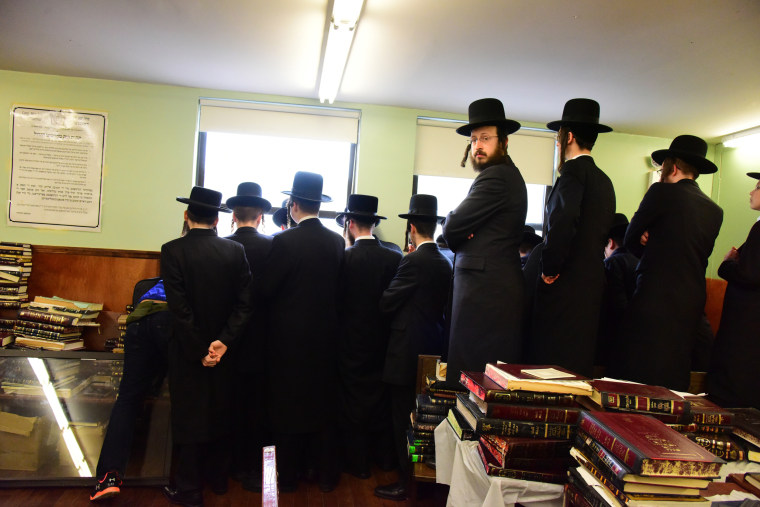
[
  {"x": 524, "y": 418},
  {"x": 634, "y": 459},
  {"x": 6, "y": 331},
  {"x": 53, "y": 323},
  {"x": 15, "y": 269},
  {"x": 429, "y": 412},
  {"x": 746, "y": 430},
  {"x": 711, "y": 426}
]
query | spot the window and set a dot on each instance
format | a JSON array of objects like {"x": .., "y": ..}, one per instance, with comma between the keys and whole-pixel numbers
[{"x": 269, "y": 143}]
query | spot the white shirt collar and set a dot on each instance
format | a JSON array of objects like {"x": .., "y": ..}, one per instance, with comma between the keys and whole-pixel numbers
[{"x": 365, "y": 237}]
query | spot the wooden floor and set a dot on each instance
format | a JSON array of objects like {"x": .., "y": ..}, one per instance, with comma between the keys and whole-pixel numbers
[{"x": 351, "y": 492}]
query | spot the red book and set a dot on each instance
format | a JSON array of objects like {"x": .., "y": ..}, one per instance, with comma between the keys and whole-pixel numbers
[
  {"x": 487, "y": 390},
  {"x": 527, "y": 475},
  {"x": 638, "y": 397},
  {"x": 648, "y": 446},
  {"x": 520, "y": 453},
  {"x": 704, "y": 411},
  {"x": 540, "y": 378},
  {"x": 526, "y": 412}
]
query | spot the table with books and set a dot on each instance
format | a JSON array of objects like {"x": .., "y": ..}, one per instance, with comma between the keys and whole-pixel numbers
[{"x": 532, "y": 435}]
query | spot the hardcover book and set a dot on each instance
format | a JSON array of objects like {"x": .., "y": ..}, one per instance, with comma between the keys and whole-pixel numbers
[
  {"x": 638, "y": 397},
  {"x": 424, "y": 405},
  {"x": 460, "y": 425},
  {"x": 723, "y": 446},
  {"x": 648, "y": 447},
  {"x": 41, "y": 343},
  {"x": 510, "y": 428},
  {"x": 704, "y": 411},
  {"x": 540, "y": 378},
  {"x": 487, "y": 390},
  {"x": 526, "y": 412},
  {"x": 504, "y": 448},
  {"x": 747, "y": 424},
  {"x": 492, "y": 468},
  {"x": 527, "y": 462}
]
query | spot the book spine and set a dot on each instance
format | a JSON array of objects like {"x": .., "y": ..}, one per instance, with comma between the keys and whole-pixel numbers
[
  {"x": 447, "y": 402},
  {"x": 721, "y": 447},
  {"x": 40, "y": 333},
  {"x": 525, "y": 475},
  {"x": 421, "y": 449},
  {"x": 589, "y": 494},
  {"x": 535, "y": 448},
  {"x": 47, "y": 317},
  {"x": 713, "y": 428},
  {"x": 629, "y": 455},
  {"x": 600, "y": 456},
  {"x": 420, "y": 458},
  {"x": 574, "y": 497},
  {"x": 528, "y": 429},
  {"x": 531, "y": 398},
  {"x": 44, "y": 325},
  {"x": 533, "y": 413},
  {"x": 430, "y": 418},
  {"x": 719, "y": 419},
  {"x": 643, "y": 403},
  {"x": 606, "y": 482},
  {"x": 472, "y": 386},
  {"x": 497, "y": 455}
]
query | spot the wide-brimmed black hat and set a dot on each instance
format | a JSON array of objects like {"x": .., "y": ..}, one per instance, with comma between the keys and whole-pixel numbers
[
  {"x": 307, "y": 186},
  {"x": 204, "y": 202},
  {"x": 619, "y": 226},
  {"x": 530, "y": 237},
  {"x": 484, "y": 112},
  {"x": 280, "y": 217},
  {"x": 754, "y": 175},
  {"x": 249, "y": 194},
  {"x": 690, "y": 149},
  {"x": 422, "y": 206},
  {"x": 360, "y": 206},
  {"x": 583, "y": 113}
]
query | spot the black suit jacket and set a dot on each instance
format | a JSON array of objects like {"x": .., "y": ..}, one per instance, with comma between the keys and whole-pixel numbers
[
  {"x": 415, "y": 300},
  {"x": 207, "y": 284},
  {"x": 301, "y": 280},
  {"x": 662, "y": 318},
  {"x": 566, "y": 313},
  {"x": 485, "y": 232},
  {"x": 368, "y": 269}
]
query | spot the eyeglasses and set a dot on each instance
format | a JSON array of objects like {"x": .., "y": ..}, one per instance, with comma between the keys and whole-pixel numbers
[{"x": 483, "y": 139}]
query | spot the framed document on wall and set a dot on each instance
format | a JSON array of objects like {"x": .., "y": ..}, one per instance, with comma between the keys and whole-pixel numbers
[{"x": 56, "y": 168}]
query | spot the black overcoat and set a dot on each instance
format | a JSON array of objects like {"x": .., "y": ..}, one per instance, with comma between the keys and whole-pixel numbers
[
  {"x": 485, "y": 232},
  {"x": 620, "y": 284},
  {"x": 565, "y": 320},
  {"x": 301, "y": 281},
  {"x": 207, "y": 284},
  {"x": 661, "y": 321},
  {"x": 415, "y": 301},
  {"x": 732, "y": 378},
  {"x": 368, "y": 269}
]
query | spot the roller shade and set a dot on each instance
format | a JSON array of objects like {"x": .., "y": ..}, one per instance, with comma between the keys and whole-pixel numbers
[
  {"x": 279, "y": 120},
  {"x": 440, "y": 150}
]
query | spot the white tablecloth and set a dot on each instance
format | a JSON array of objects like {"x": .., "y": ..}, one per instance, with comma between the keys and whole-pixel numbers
[{"x": 458, "y": 464}]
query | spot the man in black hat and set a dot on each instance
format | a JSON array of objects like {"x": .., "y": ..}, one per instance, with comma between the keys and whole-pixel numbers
[
  {"x": 368, "y": 268},
  {"x": 415, "y": 300},
  {"x": 248, "y": 207},
  {"x": 673, "y": 232},
  {"x": 579, "y": 210},
  {"x": 530, "y": 240},
  {"x": 485, "y": 232},
  {"x": 620, "y": 282},
  {"x": 282, "y": 218},
  {"x": 207, "y": 283},
  {"x": 301, "y": 281}
]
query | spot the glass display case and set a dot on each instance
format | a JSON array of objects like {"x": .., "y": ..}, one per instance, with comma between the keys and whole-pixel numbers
[{"x": 54, "y": 410}]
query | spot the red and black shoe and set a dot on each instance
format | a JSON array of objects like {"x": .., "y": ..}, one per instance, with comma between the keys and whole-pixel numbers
[{"x": 107, "y": 487}]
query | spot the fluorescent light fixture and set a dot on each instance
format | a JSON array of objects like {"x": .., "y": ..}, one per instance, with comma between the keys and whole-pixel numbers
[
  {"x": 340, "y": 36},
  {"x": 742, "y": 138}
]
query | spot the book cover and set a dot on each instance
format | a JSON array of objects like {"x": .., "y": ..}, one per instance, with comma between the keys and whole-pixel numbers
[
  {"x": 527, "y": 462},
  {"x": 487, "y": 390},
  {"x": 747, "y": 424},
  {"x": 704, "y": 411},
  {"x": 526, "y": 412},
  {"x": 540, "y": 378},
  {"x": 493, "y": 469},
  {"x": 460, "y": 425},
  {"x": 504, "y": 448},
  {"x": 510, "y": 428},
  {"x": 648, "y": 446},
  {"x": 741, "y": 480},
  {"x": 639, "y": 397}
]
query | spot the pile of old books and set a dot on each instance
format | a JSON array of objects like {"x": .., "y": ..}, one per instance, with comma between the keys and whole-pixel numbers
[
  {"x": 524, "y": 417},
  {"x": 15, "y": 269},
  {"x": 53, "y": 323},
  {"x": 431, "y": 409},
  {"x": 747, "y": 431},
  {"x": 633, "y": 459}
]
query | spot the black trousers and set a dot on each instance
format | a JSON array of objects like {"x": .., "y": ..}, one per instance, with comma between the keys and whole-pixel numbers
[
  {"x": 145, "y": 363},
  {"x": 297, "y": 453},
  {"x": 403, "y": 401},
  {"x": 196, "y": 464}
]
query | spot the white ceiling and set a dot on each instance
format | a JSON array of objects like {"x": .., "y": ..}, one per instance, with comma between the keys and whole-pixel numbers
[{"x": 658, "y": 67}]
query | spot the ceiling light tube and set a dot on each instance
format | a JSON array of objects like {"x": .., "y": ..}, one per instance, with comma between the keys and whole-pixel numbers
[
  {"x": 742, "y": 138},
  {"x": 340, "y": 36}
]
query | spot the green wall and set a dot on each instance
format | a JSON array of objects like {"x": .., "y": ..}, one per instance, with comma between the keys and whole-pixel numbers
[{"x": 151, "y": 146}]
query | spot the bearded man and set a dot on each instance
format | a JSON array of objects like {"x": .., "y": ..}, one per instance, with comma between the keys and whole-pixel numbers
[{"x": 485, "y": 232}]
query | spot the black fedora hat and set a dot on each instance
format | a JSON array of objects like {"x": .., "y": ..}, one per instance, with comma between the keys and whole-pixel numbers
[
  {"x": 582, "y": 113},
  {"x": 754, "y": 175},
  {"x": 249, "y": 194},
  {"x": 691, "y": 149},
  {"x": 307, "y": 186},
  {"x": 280, "y": 217},
  {"x": 619, "y": 226},
  {"x": 204, "y": 202},
  {"x": 530, "y": 237},
  {"x": 485, "y": 112},
  {"x": 422, "y": 206},
  {"x": 360, "y": 206}
]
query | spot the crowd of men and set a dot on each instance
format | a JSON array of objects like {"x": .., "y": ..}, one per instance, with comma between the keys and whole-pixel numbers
[{"x": 309, "y": 341}]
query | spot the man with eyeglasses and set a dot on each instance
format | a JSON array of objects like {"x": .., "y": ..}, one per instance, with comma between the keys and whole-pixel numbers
[
  {"x": 580, "y": 209},
  {"x": 485, "y": 232}
]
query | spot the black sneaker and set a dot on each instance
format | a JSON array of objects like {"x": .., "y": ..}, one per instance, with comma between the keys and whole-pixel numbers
[{"x": 106, "y": 487}]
